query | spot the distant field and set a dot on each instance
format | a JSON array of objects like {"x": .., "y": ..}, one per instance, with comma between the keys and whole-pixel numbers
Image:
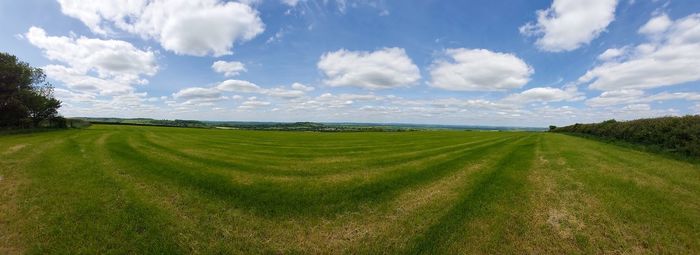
[{"x": 142, "y": 190}]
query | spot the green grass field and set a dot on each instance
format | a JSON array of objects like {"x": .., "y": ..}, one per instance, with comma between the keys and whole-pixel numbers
[{"x": 142, "y": 190}]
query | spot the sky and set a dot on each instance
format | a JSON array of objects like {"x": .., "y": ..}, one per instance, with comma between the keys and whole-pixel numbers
[{"x": 481, "y": 62}]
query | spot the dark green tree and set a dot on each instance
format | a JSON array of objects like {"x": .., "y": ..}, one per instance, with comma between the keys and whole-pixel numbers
[{"x": 26, "y": 99}]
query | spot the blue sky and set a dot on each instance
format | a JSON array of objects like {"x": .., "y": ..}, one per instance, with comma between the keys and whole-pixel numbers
[{"x": 521, "y": 63}]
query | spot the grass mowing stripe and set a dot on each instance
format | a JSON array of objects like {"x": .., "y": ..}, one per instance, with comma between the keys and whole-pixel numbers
[
  {"x": 304, "y": 182},
  {"x": 309, "y": 151},
  {"x": 77, "y": 191},
  {"x": 104, "y": 190},
  {"x": 628, "y": 157},
  {"x": 649, "y": 217},
  {"x": 502, "y": 183},
  {"x": 12, "y": 184},
  {"x": 262, "y": 168},
  {"x": 268, "y": 198},
  {"x": 397, "y": 156},
  {"x": 300, "y": 140}
]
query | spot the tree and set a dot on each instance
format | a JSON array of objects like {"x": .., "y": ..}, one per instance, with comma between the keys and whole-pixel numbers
[
  {"x": 26, "y": 99},
  {"x": 552, "y": 127}
]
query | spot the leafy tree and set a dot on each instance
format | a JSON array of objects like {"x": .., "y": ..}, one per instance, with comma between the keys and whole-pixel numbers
[{"x": 26, "y": 99}]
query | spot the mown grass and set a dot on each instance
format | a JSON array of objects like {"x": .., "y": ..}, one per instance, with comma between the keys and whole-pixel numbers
[{"x": 152, "y": 190}]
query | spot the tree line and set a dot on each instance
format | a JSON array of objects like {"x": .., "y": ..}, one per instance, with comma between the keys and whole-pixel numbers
[
  {"x": 674, "y": 134},
  {"x": 26, "y": 98}
]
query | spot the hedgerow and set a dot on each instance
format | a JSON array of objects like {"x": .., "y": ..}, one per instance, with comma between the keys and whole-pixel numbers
[{"x": 675, "y": 134}]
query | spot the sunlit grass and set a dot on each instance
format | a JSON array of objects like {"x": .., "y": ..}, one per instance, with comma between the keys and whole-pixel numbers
[{"x": 126, "y": 189}]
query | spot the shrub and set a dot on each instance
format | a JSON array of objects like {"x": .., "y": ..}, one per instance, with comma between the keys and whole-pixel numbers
[{"x": 674, "y": 134}]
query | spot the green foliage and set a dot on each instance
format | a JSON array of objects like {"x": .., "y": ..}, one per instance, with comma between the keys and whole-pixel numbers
[
  {"x": 26, "y": 99},
  {"x": 311, "y": 126},
  {"x": 146, "y": 122},
  {"x": 675, "y": 134}
]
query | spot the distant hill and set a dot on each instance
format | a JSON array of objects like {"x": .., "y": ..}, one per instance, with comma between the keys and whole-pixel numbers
[{"x": 301, "y": 126}]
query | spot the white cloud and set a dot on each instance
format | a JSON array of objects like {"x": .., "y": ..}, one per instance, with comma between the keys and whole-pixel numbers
[
  {"x": 201, "y": 96},
  {"x": 637, "y": 108},
  {"x": 672, "y": 58},
  {"x": 327, "y": 101},
  {"x": 616, "y": 97},
  {"x": 381, "y": 69},
  {"x": 187, "y": 27},
  {"x": 546, "y": 94},
  {"x": 229, "y": 69},
  {"x": 291, "y": 3},
  {"x": 656, "y": 25},
  {"x": 479, "y": 70},
  {"x": 283, "y": 93},
  {"x": 277, "y": 36},
  {"x": 631, "y": 96},
  {"x": 302, "y": 87},
  {"x": 238, "y": 86},
  {"x": 613, "y": 53},
  {"x": 117, "y": 65},
  {"x": 252, "y": 104},
  {"x": 570, "y": 24},
  {"x": 73, "y": 96},
  {"x": 80, "y": 81},
  {"x": 197, "y": 93},
  {"x": 95, "y": 13}
]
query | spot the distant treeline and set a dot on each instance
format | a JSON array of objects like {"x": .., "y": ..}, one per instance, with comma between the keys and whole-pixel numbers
[
  {"x": 311, "y": 126},
  {"x": 147, "y": 122},
  {"x": 273, "y": 126},
  {"x": 298, "y": 126},
  {"x": 675, "y": 134}
]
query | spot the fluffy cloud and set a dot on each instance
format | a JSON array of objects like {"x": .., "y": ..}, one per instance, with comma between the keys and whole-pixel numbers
[
  {"x": 188, "y": 27},
  {"x": 201, "y": 96},
  {"x": 291, "y": 3},
  {"x": 612, "y": 54},
  {"x": 637, "y": 108},
  {"x": 479, "y": 70},
  {"x": 327, "y": 101},
  {"x": 84, "y": 83},
  {"x": 95, "y": 13},
  {"x": 118, "y": 65},
  {"x": 283, "y": 93},
  {"x": 302, "y": 87},
  {"x": 656, "y": 25},
  {"x": 616, "y": 97},
  {"x": 381, "y": 69},
  {"x": 546, "y": 94},
  {"x": 632, "y": 96},
  {"x": 569, "y": 24},
  {"x": 253, "y": 103},
  {"x": 231, "y": 68},
  {"x": 672, "y": 57},
  {"x": 238, "y": 86},
  {"x": 197, "y": 93}
]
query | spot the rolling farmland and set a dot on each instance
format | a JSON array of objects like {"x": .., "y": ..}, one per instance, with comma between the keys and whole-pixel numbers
[{"x": 131, "y": 189}]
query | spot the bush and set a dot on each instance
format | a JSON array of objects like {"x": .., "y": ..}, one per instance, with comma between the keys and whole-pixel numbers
[{"x": 674, "y": 134}]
